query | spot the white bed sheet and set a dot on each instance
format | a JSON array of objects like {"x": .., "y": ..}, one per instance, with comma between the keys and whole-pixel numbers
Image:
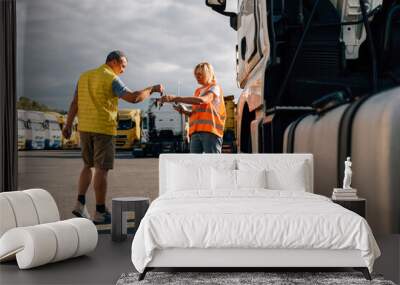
[{"x": 252, "y": 218}]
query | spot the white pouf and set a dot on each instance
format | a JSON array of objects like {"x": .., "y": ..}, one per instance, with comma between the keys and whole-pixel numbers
[{"x": 31, "y": 232}]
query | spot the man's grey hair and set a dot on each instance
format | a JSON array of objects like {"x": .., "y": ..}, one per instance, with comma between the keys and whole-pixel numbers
[{"x": 117, "y": 55}]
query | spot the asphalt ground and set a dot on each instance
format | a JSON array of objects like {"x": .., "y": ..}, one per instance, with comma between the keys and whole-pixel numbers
[{"x": 58, "y": 172}]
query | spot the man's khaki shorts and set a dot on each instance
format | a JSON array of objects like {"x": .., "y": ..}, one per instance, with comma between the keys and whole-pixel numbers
[{"x": 97, "y": 150}]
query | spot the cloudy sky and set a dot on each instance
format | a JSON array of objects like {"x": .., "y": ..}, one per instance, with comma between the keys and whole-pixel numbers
[{"x": 163, "y": 39}]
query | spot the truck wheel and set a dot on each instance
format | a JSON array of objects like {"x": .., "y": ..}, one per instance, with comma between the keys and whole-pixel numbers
[
  {"x": 245, "y": 132},
  {"x": 245, "y": 145}
]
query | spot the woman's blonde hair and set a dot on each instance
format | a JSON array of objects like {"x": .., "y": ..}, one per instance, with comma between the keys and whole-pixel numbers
[{"x": 207, "y": 70}]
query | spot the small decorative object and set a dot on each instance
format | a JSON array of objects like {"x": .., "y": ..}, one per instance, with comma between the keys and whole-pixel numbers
[
  {"x": 347, "y": 192},
  {"x": 347, "y": 174}
]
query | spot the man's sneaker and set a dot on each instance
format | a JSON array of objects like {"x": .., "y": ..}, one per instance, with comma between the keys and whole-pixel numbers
[
  {"x": 102, "y": 218},
  {"x": 81, "y": 211}
]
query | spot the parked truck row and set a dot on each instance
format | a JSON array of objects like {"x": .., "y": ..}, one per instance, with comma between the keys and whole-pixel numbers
[
  {"x": 146, "y": 133},
  {"x": 39, "y": 130},
  {"x": 42, "y": 130},
  {"x": 166, "y": 131}
]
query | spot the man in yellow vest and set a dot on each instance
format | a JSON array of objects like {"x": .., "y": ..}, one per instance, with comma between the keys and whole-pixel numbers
[{"x": 96, "y": 105}]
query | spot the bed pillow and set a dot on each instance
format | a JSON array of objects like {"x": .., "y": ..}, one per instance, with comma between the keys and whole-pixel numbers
[
  {"x": 223, "y": 179},
  {"x": 182, "y": 177},
  {"x": 196, "y": 161},
  {"x": 282, "y": 173},
  {"x": 194, "y": 174},
  {"x": 251, "y": 178},
  {"x": 289, "y": 178}
]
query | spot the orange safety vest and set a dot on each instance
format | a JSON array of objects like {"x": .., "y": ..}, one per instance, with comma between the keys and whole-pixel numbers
[{"x": 208, "y": 117}]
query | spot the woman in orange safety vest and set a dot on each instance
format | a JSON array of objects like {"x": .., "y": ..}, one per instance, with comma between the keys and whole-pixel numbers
[{"x": 207, "y": 117}]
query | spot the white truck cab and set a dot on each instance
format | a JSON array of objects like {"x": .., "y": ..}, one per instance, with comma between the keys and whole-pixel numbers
[
  {"x": 36, "y": 131},
  {"x": 291, "y": 53},
  {"x": 163, "y": 130},
  {"x": 22, "y": 130},
  {"x": 52, "y": 131}
]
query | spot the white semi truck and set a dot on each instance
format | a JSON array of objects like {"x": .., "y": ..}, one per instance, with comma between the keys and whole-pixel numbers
[
  {"x": 323, "y": 77},
  {"x": 291, "y": 53},
  {"x": 52, "y": 130},
  {"x": 35, "y": 132},
  {"x": 22, "y": 130},
  {"x": 163, "y": 131}
]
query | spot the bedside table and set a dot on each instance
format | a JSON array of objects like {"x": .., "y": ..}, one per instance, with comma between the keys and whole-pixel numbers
[
  {"x": 358, "y": 206},
  {"x": 120, "y": 209}
]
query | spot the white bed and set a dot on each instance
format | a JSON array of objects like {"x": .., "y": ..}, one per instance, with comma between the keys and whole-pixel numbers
[{"x": 248, "y": 227}]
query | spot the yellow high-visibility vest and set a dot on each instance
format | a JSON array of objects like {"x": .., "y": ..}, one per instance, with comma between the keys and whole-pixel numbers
[{"x": 97, "y": 104}]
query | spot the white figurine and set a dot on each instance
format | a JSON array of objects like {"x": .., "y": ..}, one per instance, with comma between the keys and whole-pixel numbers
[{"x": 347, "y": 174}]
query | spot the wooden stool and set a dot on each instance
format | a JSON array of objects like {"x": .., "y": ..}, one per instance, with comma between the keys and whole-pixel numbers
[{"x": 120, "y": 208}]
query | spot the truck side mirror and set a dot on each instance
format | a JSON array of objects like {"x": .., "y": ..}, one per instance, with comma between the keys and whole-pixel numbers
[
  {"x": 219, "y": 7},
  {"x": 233, "y": 21}
]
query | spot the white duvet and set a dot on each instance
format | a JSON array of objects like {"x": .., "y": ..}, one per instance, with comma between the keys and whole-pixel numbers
[{"x": 252, "y": 218}]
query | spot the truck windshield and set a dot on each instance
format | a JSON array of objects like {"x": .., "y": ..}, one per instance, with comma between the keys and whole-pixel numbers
[
  {"x": 21, "y": 125},
  {"x": 144, "y": 123},
  {"x": 54, "y": 126},
  {"x": 125, "y": 124},
  {"x": 37, "y": 126}
]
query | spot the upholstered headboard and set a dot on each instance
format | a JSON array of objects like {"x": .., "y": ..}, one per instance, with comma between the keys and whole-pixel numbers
[{"x": 211, "y": 159}]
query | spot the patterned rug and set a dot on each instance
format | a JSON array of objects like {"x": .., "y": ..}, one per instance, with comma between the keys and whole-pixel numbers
[{"x": 244, "y": 278}]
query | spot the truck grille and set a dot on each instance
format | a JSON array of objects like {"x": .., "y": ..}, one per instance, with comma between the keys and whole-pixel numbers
[{"x": 120, "y": 143}]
